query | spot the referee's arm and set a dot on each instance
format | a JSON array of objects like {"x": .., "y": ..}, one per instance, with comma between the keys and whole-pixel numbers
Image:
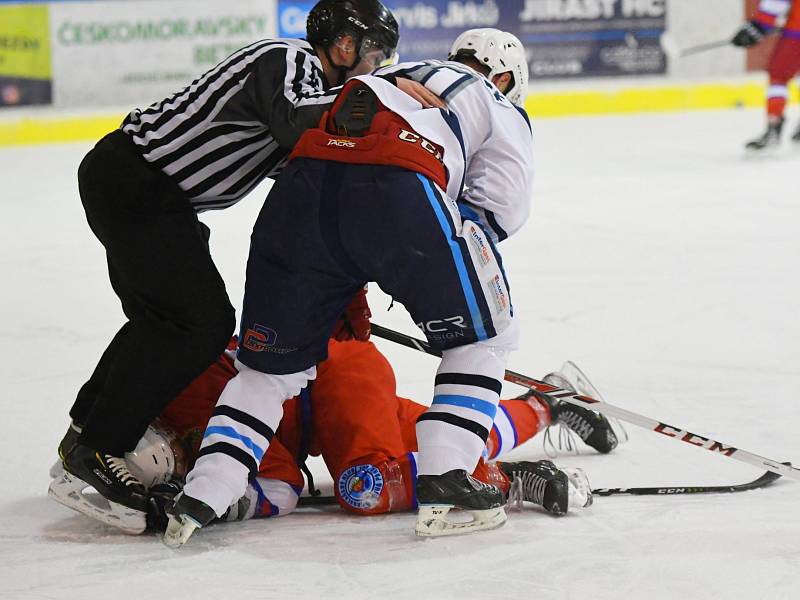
[{"x": 290, "y": 93}]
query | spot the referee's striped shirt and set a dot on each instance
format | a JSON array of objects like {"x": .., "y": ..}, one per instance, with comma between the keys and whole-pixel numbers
[{"x": 234, "y": 126}]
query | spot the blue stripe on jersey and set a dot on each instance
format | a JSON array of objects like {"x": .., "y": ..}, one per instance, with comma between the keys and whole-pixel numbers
[
  {"x": 524, "y": 114},
  {"x": 233, "y": 434},
  {"x": 499, "y": 231},
  {"x": 458, "y": 259},
  {"x": 452, "y": 122},
  {"x": 455, "y": 85},
  {"x": 513, "y": 427},
  {"x": 482, "y": 406}
]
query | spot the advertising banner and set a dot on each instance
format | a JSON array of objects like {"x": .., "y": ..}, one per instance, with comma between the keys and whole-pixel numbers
[
  {"x": 571, "y": 38},
  {"x": 25, "y": 74},
  {"x": 563, "y": 38},
  {"x": 138, "y": 52}
]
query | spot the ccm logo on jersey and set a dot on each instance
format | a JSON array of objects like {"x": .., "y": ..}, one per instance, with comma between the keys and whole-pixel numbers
[
  {"x": 340, "y": 143},
  {"x": 414, "y": 138}
]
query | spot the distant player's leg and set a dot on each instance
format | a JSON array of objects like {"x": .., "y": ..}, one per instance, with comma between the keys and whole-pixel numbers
[{"x": 784, "y": 64}]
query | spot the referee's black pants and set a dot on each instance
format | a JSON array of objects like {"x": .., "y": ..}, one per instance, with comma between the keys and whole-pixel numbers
[{"x": 179, "y": 316}]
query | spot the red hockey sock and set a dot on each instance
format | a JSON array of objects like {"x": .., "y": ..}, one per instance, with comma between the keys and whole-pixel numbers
[
  {"x": 775, "y": 107},
  {"x": 516, "y": 422}
]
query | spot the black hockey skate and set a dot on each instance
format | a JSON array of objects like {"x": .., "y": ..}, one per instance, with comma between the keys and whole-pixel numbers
[
  {"x": 770, "y": 140},
  {"x": 125, "y": 497},
  {"x": 438, "y": 494},
  {"x": 593, "y": 428},
  {"x": 67, "y": 443},
  {"x": 186, "y": 515},
  {"x": 546, "y": 485}
]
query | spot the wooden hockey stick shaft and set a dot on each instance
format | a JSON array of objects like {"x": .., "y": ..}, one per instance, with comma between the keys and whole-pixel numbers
[{"x": 670, "y": 431}]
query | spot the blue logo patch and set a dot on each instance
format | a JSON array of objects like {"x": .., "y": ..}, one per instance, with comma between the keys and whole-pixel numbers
[{"x": 360, "y": 486}]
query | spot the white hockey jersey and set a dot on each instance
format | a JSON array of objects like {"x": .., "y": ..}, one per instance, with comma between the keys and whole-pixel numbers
[{"x": 487, "y": 141}]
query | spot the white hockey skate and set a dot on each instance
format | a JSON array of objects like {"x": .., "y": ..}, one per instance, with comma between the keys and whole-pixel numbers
[{"x": 72, "y": 493}]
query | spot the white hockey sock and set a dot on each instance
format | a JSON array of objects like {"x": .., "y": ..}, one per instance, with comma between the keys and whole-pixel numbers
[
  {"x": 452, "y": 433},
  {"x": 238, "y": 434}
]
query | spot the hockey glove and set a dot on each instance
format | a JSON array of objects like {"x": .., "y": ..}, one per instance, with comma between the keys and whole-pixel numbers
[
  {"x": 750, "y": 34},
  {"x": 244, "y": 508},
  {"x": 354, "y": 323},
  {"x": 161, "y": 497}
]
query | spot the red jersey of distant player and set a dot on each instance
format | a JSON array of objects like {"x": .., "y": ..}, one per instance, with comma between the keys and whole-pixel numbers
[{"x": 354, "y": 419}]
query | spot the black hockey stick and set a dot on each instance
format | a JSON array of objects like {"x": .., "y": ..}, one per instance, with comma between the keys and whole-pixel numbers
[
  {"x": 763, "y": 481},
  {"x": 670, "y": 431}
]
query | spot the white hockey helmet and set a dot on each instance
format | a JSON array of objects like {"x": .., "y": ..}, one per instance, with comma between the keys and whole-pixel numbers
[
  {"x": 501, "y": 52},
  {"x": 157, "y": 457}
]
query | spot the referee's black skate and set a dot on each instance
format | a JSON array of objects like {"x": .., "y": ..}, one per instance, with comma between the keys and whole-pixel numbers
[
  {"x": 546, "y": 485},
  {"x": 457, "y": 489},
  {"x": 770, "y": 140},
  {"x": 121, "y": 499},
  {"x": 67, "y": 443}
]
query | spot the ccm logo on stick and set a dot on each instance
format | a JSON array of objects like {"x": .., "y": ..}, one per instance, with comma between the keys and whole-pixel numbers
[{"x": 694, "y": 439}]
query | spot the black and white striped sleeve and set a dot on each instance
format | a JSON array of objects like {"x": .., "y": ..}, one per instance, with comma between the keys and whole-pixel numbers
[{"x": 289, "y": 90}]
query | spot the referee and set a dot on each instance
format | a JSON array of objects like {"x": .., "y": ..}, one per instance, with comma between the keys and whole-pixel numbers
[{"x": 142, "y": 186}]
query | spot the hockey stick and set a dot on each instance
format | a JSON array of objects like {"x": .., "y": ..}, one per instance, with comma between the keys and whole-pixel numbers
[
  {"x": 704, "y": 47},
  {"x": 671, "y": 48},
  {"x": 763, "y": 481},
  {"x": 677, "y": 433}
]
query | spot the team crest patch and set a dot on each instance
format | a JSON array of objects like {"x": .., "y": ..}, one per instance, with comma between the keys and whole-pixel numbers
[
  {"x": 259, "y": 338},
  {"x": 360, "y": 486}
]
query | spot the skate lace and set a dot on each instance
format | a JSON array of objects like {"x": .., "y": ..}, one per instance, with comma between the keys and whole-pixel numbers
[
  {"x": 526, "y": 486},
  {"x": 119, "y": 467},
  {"x": 577, "y": 423},
  {"x": 565, "y": 442}
]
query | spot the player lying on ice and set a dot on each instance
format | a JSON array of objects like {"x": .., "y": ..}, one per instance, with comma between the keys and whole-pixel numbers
[
  {"x": 365, "y": 433},
  {"x": 415, "y": 200}
]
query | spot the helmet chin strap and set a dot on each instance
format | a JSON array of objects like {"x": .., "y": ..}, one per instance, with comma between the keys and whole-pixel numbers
[{"x": 343, "y": 70}]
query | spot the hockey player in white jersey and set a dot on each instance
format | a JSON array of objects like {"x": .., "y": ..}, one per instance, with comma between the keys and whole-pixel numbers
[{"x": 414, "y": 199}]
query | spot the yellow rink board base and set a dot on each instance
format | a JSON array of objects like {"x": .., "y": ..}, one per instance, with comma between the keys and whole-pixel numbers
[{"x": 625, "y": 100}]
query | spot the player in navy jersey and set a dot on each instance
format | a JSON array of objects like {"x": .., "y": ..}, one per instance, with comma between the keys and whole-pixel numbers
[
  {"x": 204, "y": 147},
  {"x": 414, "y": 199}
]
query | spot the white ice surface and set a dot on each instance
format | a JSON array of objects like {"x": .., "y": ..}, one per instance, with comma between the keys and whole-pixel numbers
[{"x": 657, "y": 257}]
